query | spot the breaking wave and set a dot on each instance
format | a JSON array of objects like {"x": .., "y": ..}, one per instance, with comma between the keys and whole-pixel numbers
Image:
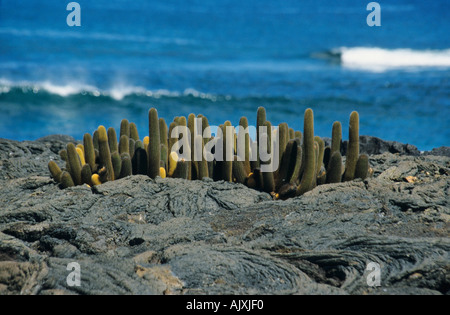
[{"x": 380, "y": 59}]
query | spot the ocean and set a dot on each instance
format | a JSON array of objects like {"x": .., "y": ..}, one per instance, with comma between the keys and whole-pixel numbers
[{"x": 224, "y": 59}]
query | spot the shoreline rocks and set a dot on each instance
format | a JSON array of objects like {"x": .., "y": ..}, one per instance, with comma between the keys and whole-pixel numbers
[{"x": 137, "y": 235}]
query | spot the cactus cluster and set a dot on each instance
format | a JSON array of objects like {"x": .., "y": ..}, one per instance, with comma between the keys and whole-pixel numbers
[
  {"x": 101, "y": 157},
  {"x": 187, "y": 149}
]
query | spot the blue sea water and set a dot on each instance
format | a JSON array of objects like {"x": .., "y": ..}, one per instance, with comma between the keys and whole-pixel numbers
[{"x": 224, "y": 59}]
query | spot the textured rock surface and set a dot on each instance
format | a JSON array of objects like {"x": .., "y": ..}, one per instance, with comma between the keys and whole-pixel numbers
[{"x": 169, "y": 236}]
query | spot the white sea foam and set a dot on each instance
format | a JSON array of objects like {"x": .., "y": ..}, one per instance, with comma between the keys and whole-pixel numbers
[
  {"x": 118, "y": 91},
  {"x": 65, "y": 90},
  {"x": 379, "y": 59}
]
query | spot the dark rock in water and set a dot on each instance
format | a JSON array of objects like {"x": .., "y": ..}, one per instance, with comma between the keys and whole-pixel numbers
[
  {"x": 441, "y": 151},
  {"x": 373, "y": 145},
  {"x": 137, "y": 235}
]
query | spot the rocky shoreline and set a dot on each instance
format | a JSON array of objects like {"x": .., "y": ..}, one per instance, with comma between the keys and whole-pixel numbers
[{"x": 171, "y": 236}]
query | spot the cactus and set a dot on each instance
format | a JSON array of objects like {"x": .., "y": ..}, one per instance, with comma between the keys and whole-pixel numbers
[
  {"x": 193, "y": 171},
  {"x": 112, "y": 140},
  {"x": 243, "y": 141},
  {"x": 55, "y": 171},
  {"x": 103, "y": 175},
  {"x": 286, "y": 162},
  {"x": 145, "y": 142},
  {"x": 162, "y": 172},
  {"x": 124, "y": 128},
  {"x": 173, "y": 159},
  {"x": 181, "y": 170},
  {"x": 139, "y": 145},
  {"x": 139, "y": 162},
  {"x": 164, "y": 156},
  {"x": 239, "y": 173},
  {"x": 163, "y": 133},
  {"x": 124, "y": 144},
  {"x": 334, "y": 171},
  {"x": 321, "y": 150},
  {"x": 89, "y": 151},
  {"x": 283, "y": 138},
  {"x": 353, "y": 147},
  {"x": 80, "y": 155},
  {"x": 126, "y": 168},
  {"x": 81, "y": 147},
  {"x": 117, "y": 164},
  {"x": 66, "y": 180},
  {"x": 250, "y": 181},
  {"x": 202, "y": 164},
  {"x": 95, "y": 140},
  {"x": 86, "y": 174},
  {"x": 309, "y": 153},
  {"x": 227, "y": 164},
  {"x": 326, "y": 156},
  {"x": 134, "y": 134},
  {"x": 172, "y": 141},
  {"x": 304, "y": 160},
  {"x": 316, "y": 155},
  {"x": 74, "y": 162},
  {"x": 95, "y": 180},
  {"x": 257, "y": 176},
  {"x": 154, "y": 145},
  {"x": 362, "y": 167},
  {"x": 336, "y": 137},
  {"x": 260, "y": 119},
  {"x": 205, "y": 125},
  {"x": 131, "y": 147},
  {"x": 268, "y": 183},
  {"x": 105, "y": 153},
  {"x": 291, "y": 133},
  {"x": 298, "y": 162}
]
